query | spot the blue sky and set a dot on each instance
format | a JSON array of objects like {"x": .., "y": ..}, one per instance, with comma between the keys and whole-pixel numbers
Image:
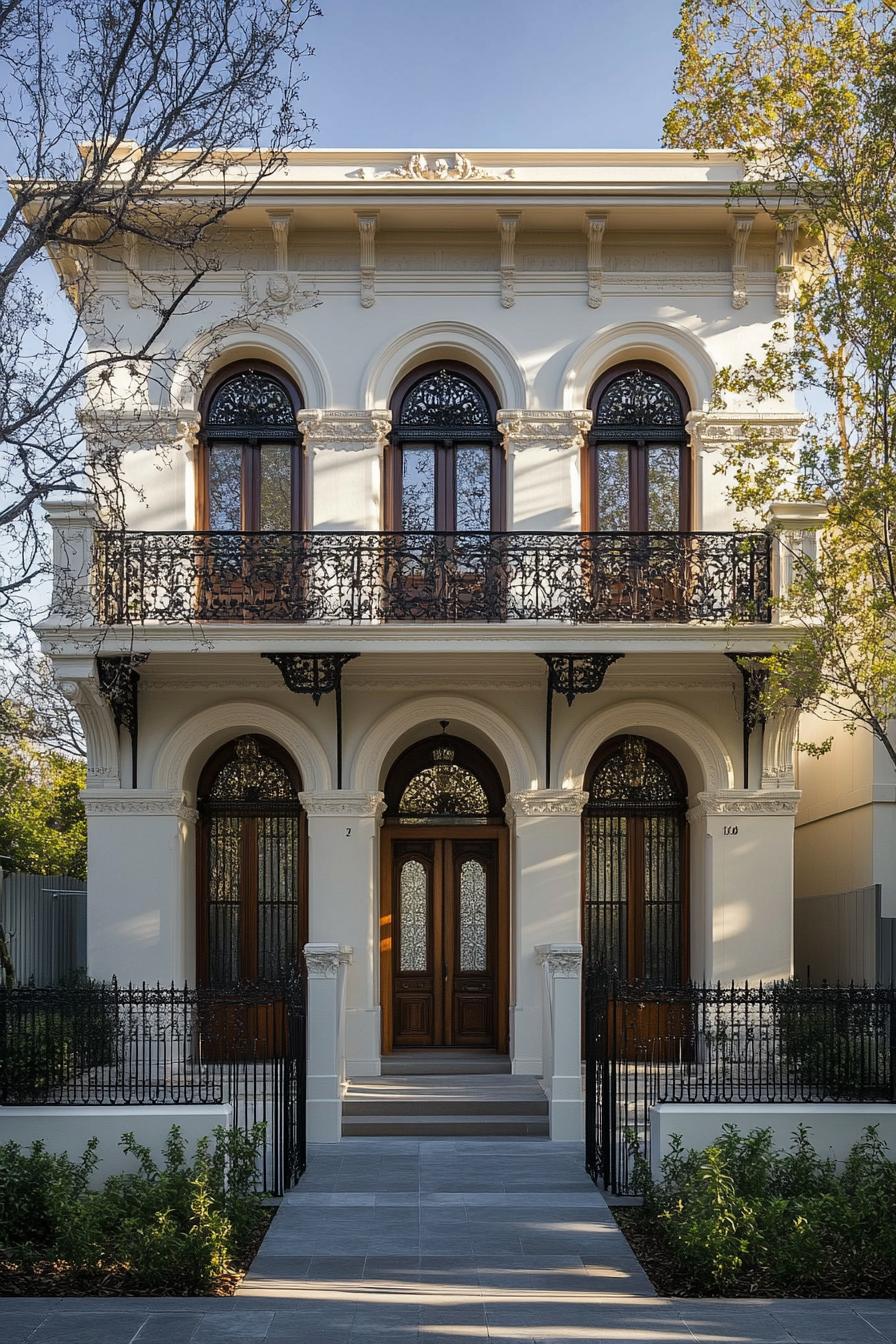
[{"x": 462, "y": 74}]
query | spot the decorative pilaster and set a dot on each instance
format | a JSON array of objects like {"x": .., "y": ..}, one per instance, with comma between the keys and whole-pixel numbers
[
  {"x": 73, "y": 522},
  {"x": 561, "y": 965},
  {"x": 348, "y": 430},
  {"x": 595, "y": 226},
  {"x": 741, "y": 226},
  {"x": 131, "y": 258},
  {"x": 367, "y": 230},
  {"x": 785, "y": 270},
  {"x": 327, "y": 964},
  {"x": 507, "y": 226},
  {"x": 346, "y": 494},
  {"x": 544, "y": 453},
  {"x": 560, "y": 431}
]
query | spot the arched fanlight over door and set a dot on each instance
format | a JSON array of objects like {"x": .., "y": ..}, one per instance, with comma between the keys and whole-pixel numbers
[
  {"x": 447, "y": 467},
  {"x": 251, "y": 891},
  {"x": 250, "y": 475},
  {"x": 638, "y": 458},
  {"x": 635, "y": 917}
]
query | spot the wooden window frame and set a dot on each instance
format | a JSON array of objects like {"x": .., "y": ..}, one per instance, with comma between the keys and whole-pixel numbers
[
  {"x": 248, "y": 938},
  {"x": 637, "y": 455},
  {"x": 445, "y": 457},
  {"x": 250, "y": 475}
]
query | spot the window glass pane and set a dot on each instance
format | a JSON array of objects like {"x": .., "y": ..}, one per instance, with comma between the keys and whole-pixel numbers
[
  {"x": 612, "y": 490},
  {"x": 662, "y": 488},
  {"x": 418, "y": 489},
  {"x": 224, "y": 467},
  {"x": 413, "y": 916},
  {"x": 473, "y": 924},
  {"x": 276, "y": 487},
  {"x": 473, "y": 489}
]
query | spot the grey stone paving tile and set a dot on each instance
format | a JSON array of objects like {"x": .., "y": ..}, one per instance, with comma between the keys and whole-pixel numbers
[
  {"x": 89, "y": 1327},
  {"x": 169, "y": 1327},
  {"x": 714, "y": 1323},
  {"x": 240, "y": 1325},
  {"x": 813, "y": 1324},
  {"x": 18, "y": 1326}
]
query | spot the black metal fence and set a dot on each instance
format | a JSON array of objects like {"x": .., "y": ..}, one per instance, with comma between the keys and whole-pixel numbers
[
  {"x": 359, "y": 578},
  {"x": 782, "y": 1042},
  {"x": 97, "y": 1044}
]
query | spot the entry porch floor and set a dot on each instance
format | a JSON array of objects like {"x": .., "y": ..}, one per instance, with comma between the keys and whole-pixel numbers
[{"x": 444, "y": 1242}]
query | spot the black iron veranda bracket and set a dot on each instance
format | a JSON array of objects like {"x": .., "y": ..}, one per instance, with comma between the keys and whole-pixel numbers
[
  {"x": 569, "y": 675},
  {"x": 118, "y": 681},
  {"x": 317, "y": 675},
  {"x": 755, "y": 679}
]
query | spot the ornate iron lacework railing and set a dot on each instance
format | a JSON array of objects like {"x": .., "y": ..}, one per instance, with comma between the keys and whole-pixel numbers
[{"x": 360, "y": 578}]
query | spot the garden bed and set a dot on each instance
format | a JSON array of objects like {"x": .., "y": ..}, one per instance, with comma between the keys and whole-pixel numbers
[
  {"x": 739, "y": 1219},
  {"x": 179, "y": 1228}
]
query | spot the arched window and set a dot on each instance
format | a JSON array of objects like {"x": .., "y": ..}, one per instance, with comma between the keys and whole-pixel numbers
[
  {"x": 634, "y": 862},
  {"x": 250, "y": 477},
  {"x": 447, "y": 467},
  {"x": 638, "y": 477},
  {"x": 251, "y": 864},
  {"x": 444, "y": 779}
]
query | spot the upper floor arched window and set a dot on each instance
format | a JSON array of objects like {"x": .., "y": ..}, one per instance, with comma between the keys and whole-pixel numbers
[
  {"x": 250, "y": 476},
  {"x": 638, "y": 476},
  {"x": 447, "y": 466}
]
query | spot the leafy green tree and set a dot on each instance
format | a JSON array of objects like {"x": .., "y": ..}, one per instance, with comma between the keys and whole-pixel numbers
[
  {"x": 805, "y": 95},
  {"x": 42, "y": 824}
]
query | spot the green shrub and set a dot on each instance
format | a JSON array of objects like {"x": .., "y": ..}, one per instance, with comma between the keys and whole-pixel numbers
[
  {"x": 739, "y": 1218},
  {"x": 178, "y": 1226}
]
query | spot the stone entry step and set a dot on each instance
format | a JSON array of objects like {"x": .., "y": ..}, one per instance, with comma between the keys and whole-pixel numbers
[
  {"x": 431, "y": 1062},
  {"x": 439, "y": 1106}
]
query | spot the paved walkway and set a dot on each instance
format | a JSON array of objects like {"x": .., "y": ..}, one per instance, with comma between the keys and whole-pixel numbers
[{"x": 444, "y": 1242}]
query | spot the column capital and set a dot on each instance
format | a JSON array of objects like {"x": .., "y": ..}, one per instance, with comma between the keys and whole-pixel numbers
[
  {"x": 561, "y": 430},
  {"x": 746, "y": 803},
  {"x": 546, "y": 803},
  {"x": 714, "y": 431},
  {"x": 343, "y": 803},
  {"x": 324, "y": 959},
  {"x": 563, "y": 960},
  {"x": 346, "y": 429},
  {"x": 137, "y": 803}
]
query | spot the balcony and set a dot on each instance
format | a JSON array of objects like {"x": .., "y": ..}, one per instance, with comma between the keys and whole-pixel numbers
[{"x": 369, "y": 578}]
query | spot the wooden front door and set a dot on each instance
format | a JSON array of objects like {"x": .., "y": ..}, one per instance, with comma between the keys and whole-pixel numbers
[{"x": 444, "y": 932}]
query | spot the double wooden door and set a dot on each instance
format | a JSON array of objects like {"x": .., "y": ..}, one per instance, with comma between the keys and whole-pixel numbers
[{"x": 444, "y": 935}]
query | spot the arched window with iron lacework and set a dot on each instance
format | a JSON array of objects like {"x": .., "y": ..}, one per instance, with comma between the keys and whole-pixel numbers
[
  {"x": 251, "y": 904},
  {"x": 250, "y": 462},
  {"x": 444, "y": 779},
  {"x": 447, "y": 466},
  {"x": 639, "y": 459},
  {"x": 635, "y": 917}
]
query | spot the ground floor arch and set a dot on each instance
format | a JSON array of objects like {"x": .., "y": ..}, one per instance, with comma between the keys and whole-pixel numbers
[{"x": 444, "y": 900}]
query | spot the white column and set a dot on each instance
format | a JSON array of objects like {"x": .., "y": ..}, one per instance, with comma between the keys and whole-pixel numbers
[
  {"x": 562, "y": 1078},
  {"x": 346, "y": 450},
  {"x": 343, "y": 885},
  {"x": 546, "y": 904},
  {"x": 140, "y": 903},
  {"x": 747, "y": 836},
  {"x": 327, "y": 963},
  {"x": 544, "y": 466},
  {"x": 73, "y": 522}
]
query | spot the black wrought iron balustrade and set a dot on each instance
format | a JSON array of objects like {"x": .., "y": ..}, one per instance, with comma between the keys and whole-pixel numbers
[{"x": 359, "y": 578}]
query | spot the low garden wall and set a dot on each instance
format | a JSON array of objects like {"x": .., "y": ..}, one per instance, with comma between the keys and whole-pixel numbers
[
  {"x": 833, "y": 1128},
  {"x": 68, "y": 1129}
]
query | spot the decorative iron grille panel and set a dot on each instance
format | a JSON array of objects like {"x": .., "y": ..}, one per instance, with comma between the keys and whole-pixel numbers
[
  {"x": 361, "y": 578},
  {"x": 413, "y": 909},
  {"x": 473, "y": 923},
  {"x": 639, "y": 400},
  {"x": 631, "y": 780},
  {"x": 444, "y": 399},
  {"x": 250, "y": 401},
  {"x": 443, "y": 790}
]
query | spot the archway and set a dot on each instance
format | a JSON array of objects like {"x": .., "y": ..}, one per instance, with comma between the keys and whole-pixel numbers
[
  {"x": 444, "y": 900},
  {"x": 251, "y": 898}
]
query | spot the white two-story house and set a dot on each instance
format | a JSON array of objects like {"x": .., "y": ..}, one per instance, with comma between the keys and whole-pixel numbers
[{"x": 427, "y": 643}]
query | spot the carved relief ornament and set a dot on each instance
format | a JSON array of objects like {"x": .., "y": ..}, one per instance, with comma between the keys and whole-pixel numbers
[
  {"x": 758, "y": 803},
  {"x": 349, "y": 429},
  {"x": 563, "y": 961},
  {"x": 564, "y": 430},
  {"x": 714, "y": 431},
  {"x": 340, "y": 803},
  {"x": 546, "y": 803},
  {"x": 455, "y": 168}
]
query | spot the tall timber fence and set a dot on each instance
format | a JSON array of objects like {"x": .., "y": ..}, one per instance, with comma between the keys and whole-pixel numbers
[
  {"x": 45, "y": 920},
  {"x": 98, "y": 1044},
  {"x": 719, "y": 1044}
]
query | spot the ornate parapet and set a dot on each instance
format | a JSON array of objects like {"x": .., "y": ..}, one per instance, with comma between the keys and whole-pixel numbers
[
  {"x": 546, "y": 803},
  {"x": 563, "y": 431},
  {"x": 351, "y": 431}
]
